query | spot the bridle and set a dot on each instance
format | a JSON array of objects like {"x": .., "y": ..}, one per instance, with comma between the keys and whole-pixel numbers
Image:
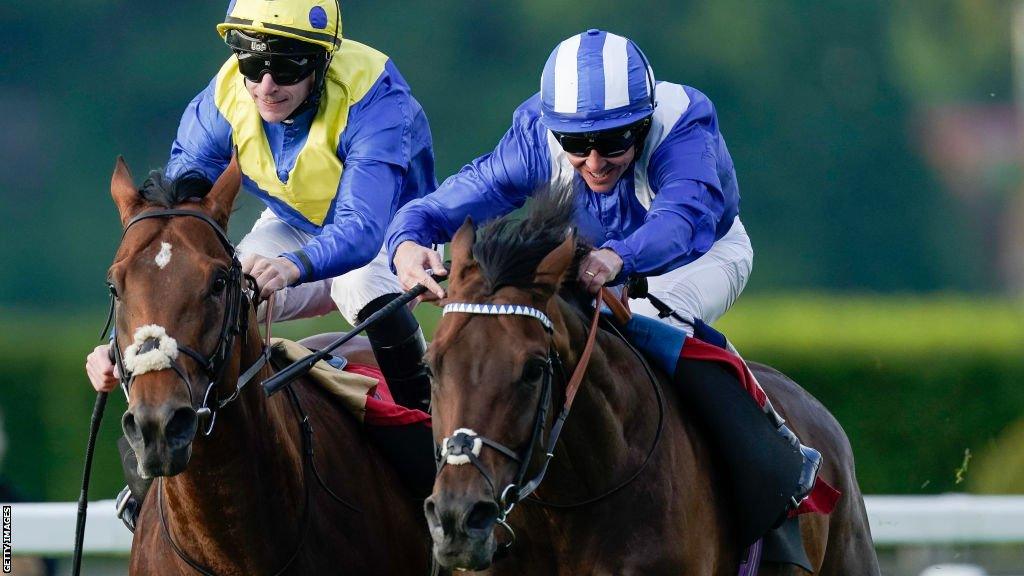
[
  {"x": 464, "y": 445},
  {"x": 235, "y": 323}
]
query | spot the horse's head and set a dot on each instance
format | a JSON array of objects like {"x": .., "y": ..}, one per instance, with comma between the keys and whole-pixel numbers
[
  {"x": 492, "y": 362},
  {"x": 175, "y": 280}
]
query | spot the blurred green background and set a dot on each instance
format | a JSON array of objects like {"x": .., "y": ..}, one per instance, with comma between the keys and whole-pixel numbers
[{"x": 877, "y": 146}]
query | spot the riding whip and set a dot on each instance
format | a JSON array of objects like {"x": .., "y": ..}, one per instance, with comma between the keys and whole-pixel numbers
[
  {"x": 299, "y": 367},
  {"x": 83, "y": 498}
]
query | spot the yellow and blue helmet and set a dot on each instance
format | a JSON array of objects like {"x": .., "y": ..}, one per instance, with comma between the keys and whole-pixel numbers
[
  {"x": 596, "y": 81},
  {"x": 311, "y": 22}
]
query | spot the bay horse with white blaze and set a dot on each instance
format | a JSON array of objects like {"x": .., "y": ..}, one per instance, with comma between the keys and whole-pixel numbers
[
  {"x": 281, "y": 485},
  {"x": 632, "y": 488}
]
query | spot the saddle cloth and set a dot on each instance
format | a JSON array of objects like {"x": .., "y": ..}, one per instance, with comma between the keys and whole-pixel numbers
[{"x": 361, "y": 389}]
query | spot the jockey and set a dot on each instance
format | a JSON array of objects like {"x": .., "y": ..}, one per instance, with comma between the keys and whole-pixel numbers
[
  {"x": 654, "y": 185},
  {"x": 330, "y": 138}
]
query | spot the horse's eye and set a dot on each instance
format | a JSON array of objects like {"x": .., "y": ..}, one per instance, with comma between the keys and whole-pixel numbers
[
  {"x": 533, "y": 371},
  {"x": 218, "y": 286}
]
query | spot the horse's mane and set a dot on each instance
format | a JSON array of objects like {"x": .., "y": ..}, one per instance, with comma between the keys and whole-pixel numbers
[
  {"x": 509, "y": 249},
  {"x": 166, "y": 192}
]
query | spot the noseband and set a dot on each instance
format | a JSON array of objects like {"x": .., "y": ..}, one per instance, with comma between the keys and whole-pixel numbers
[{"x": 235, "y": 323}]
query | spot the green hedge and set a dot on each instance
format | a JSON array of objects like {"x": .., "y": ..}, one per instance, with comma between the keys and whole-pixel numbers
[{"x": 915, "y": 382}]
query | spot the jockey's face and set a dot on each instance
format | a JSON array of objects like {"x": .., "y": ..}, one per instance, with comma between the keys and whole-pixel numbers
[
  {"x": 275, "y": 102},
  {"x": 600, "y": 173}
]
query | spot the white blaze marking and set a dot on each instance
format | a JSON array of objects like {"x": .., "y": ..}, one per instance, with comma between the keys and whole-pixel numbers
[{"x": 164, "y": 256}]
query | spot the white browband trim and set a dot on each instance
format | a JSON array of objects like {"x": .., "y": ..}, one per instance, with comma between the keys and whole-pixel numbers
[
  {"x": 460, "y": 459},
  {"x": 500, "y": 310},
  {"x": 158, "y": 358}
]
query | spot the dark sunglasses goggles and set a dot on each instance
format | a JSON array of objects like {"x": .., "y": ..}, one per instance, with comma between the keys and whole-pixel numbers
[
  {"x": 284, "y": 70},
  {"x": 608, "y": 143}
]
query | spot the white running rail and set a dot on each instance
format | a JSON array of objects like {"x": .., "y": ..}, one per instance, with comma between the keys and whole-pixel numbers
[{"x": 49, "y": 529}]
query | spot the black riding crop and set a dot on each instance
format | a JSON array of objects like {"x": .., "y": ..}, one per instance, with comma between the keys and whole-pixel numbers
[
  {"x": 278, "y": 381},
  {"x": 83, "y": 498}
]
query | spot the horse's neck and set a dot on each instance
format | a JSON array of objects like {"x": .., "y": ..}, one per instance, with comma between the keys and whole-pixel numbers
[
  {"x": 614, "y": 417},
  {"x": 244, "y": 483}
]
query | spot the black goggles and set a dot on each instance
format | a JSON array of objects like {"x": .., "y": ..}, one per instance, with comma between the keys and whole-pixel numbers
[
  {"x": 284, "y": 70},
  {"x": 608, "y": 143}
]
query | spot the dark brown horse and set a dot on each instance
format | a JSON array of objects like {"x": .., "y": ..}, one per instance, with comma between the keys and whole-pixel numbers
[
  {"x": 491, "y": 366},
  {"x": 245, "y": 499}
]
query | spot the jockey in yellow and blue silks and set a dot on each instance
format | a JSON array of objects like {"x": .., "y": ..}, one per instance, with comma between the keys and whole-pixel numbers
[
  {"x": 330, "y": 138},
  {"x": 332, "y": 168},
  {"x": 654, "y": 187}
]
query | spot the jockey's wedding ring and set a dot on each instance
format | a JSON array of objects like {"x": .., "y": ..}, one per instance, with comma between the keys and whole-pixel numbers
[{"x": 589, "y": 273}]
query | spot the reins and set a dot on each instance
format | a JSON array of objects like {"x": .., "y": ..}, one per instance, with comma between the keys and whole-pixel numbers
[{"x": 309, "y": 465}]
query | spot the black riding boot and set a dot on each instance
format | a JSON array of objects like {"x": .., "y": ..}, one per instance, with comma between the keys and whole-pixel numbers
[
  {"x": 129, "y": 501},
  {"x": 398, "y": 345},
  {"x": 811, "y": 457}
]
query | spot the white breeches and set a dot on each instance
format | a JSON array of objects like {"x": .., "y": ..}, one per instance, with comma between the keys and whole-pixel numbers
[
  {"x": 270, "y": 236},
  {"x": 707, "y": 287}
]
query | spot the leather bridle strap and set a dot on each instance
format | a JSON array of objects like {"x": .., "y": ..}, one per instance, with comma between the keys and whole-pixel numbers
[
  {"x": 571, "y": 388},
  {"x": 581, "y": 366}
]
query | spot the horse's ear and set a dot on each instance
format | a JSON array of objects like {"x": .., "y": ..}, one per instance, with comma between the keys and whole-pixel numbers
[
  {"x": 462, "y": 246},
  {"x": 551, "y": 270},
  {"x": 123, "y": 191},
  {"x": 221, "y": 197}
]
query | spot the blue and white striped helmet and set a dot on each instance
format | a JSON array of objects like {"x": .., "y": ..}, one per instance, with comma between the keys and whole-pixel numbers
[{"x": 595, "y": 81}]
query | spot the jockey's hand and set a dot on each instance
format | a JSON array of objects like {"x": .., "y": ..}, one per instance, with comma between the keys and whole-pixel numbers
[
  {"x": 101, "y": 371},
  {"x": 412, "y": 262},
  {"x": 598, "y": 268},
  {"x": 271, "y": 274}
]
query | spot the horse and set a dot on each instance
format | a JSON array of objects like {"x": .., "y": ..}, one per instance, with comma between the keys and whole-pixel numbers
[
  {"x": 244, "y": 484},
  {"x": 628, "y": 491}
]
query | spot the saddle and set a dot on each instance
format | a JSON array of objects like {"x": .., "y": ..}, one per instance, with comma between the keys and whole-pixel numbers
[{"x": 401, "y": 434}]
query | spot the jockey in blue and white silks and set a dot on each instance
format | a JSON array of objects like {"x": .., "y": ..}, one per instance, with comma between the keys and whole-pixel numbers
[
  {"x": 654, "y": 187},
  {"x": 667, "y": 208}
]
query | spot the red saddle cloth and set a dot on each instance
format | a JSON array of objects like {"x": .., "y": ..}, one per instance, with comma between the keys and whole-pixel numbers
[
  {"x": 381, "y": 409},
  {"x": 823, "y": 497}
]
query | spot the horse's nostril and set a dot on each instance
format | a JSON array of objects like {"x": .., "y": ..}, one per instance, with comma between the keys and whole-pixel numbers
[
  {"x": 131, "y": 429},
  {"x": 482, "y": 516},
  {"x": 430, "y": 511},
  {"x": 181, "y": 428}
]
